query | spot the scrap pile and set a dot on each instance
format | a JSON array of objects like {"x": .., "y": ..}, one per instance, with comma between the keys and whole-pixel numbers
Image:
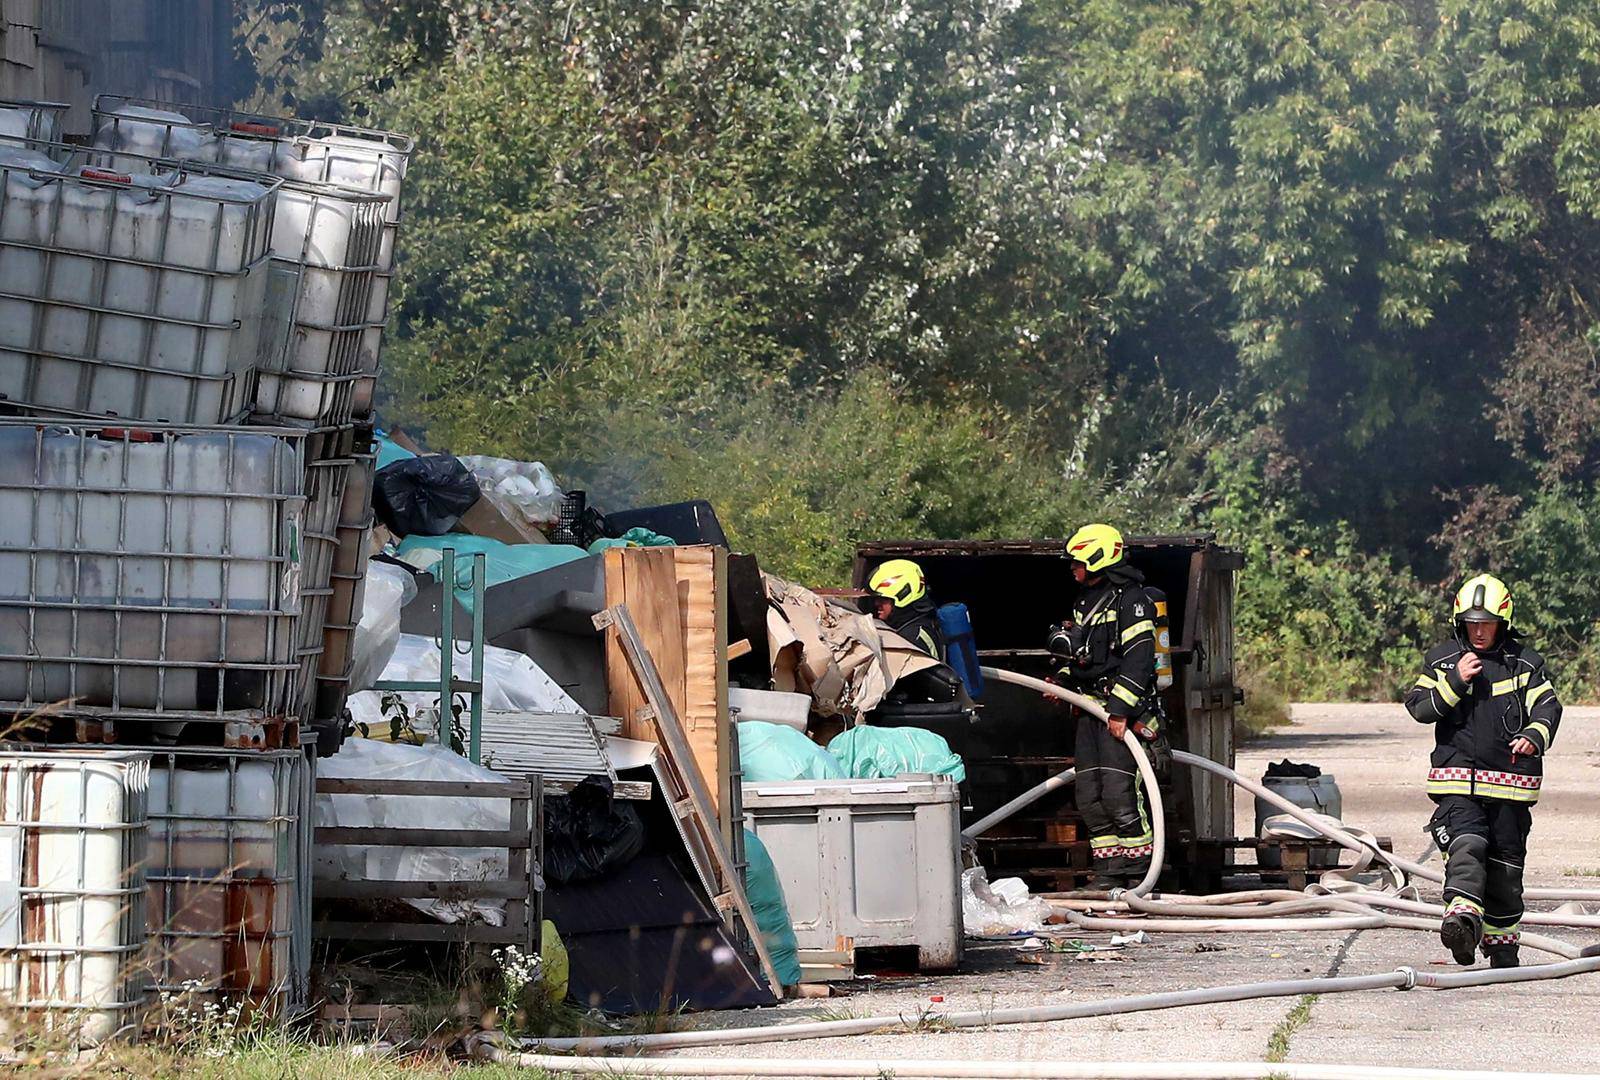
[
  {"x": 273, "y": 680},
  {"x": 194, "y": 303}
]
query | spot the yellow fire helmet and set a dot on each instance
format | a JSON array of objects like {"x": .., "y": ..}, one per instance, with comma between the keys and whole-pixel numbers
[
  {"x": 1482, "y": 599},
  {"x": 1098, "y": 547},
  {"x": 900, "y": 580}
]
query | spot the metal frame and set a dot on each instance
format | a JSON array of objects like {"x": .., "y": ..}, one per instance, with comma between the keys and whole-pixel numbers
[
  {"x": 235, "y": 887},
  {"x": 522, "y": 889},
  {"x": 268, "y": 684},
  {"x": 447, "y": 684},
  {"x": 26, "y": 960}
]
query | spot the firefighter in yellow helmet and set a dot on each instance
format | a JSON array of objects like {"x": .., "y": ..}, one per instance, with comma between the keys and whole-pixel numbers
[
  {"x": 1109, "y": 652},
  {"x": 1495, "y": 716},
  {"x": 900, "y": 599}
]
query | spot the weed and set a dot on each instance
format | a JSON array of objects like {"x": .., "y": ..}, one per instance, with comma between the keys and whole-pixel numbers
[
  {"x": 839, "y": 1012},
  {"x": 1278, "y": 1041}
]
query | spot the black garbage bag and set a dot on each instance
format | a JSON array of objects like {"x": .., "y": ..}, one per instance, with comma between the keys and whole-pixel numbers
[
  {"x": 588, "y": 834},
  {"x": 1293, "y": 768},
  {"x": 424, "y": 496}
]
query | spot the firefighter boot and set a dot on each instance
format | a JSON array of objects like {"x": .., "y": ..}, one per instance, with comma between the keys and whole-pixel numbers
[
  {"x": 1503, "y": 956},
  {"x": 1459, "y": 933}
]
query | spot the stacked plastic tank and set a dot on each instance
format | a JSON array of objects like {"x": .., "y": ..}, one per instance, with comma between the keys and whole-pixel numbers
[
  {"x": 332, "y": 254},
  {"x": 191, "y": 315}
]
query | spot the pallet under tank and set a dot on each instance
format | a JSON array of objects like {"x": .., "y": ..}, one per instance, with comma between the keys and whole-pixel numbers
[{"x": 1014, "y": 590}]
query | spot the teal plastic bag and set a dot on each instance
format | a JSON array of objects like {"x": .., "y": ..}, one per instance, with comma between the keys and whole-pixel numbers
[
  {"x": 769, "y": 752},
  {"x": 872, "y": 753},
  {"x": 390, "y": 451},
  {"x": 765, "y": 892},
  {"x": 636, "y": 537},
  {"x": 503, "y": 562}
]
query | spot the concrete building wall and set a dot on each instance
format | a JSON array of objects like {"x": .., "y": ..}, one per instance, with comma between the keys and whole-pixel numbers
[{"x": 70, "y": 50}]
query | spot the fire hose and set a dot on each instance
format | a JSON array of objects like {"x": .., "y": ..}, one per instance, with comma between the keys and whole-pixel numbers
[{"x": 1344, "y": 905}]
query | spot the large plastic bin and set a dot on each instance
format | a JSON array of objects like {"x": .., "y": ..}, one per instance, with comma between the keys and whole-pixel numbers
[
  {"x": 135, "y": 294},
  {"x": 364, "y": 158},
  {"x": 866, "y": 863},
  {"x": 152, "y": 572},
  {"x": 228, "y": 887},
  {"x": 72, "y": 893}
]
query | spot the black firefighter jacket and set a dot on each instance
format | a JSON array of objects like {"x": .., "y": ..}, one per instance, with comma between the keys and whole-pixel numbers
[
  {"x": 1475, "y": 724},
  {"x": 1113, "y": 635}
]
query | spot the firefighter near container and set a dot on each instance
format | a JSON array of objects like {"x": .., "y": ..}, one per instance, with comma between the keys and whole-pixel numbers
[
  {"x": 899, "y": 599},
  {"x": 1495, "y": 715},
  {"x": 1108, "y": 652}
]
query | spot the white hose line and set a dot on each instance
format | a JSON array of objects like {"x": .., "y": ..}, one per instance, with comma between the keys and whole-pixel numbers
[
  {"x": 1419, "y": 907},
  {"x": 1202, "y": 924},
  {"x": 1344, "y": 839},
  {"x": 1021, "y": 802},
  {"x": 994, "y": 1070},
  {"x": 1402, "y": 979},
  {"x": 1152, "y": 789}
]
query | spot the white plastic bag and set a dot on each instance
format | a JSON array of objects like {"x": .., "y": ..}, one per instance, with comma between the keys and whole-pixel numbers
[
  {"x": 388, "y": 589},
  {"x": 520, "y": 489},
  {"x": 511, "y": 683},
  {"x": 999, "y": 909},
  {"x": 367, "y": 759}
]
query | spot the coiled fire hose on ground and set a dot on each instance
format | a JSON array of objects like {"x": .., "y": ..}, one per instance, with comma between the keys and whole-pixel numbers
[{"x": 1349, "y": 908}]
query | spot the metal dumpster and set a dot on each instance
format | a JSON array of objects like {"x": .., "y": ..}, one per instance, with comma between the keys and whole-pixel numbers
[{"x": 1014, "y": 590}]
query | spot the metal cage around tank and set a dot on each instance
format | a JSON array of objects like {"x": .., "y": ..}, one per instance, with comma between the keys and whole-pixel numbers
[
  {"x": 134, "y": 294},
  {"x": 72, "y": 892},
  {"x": 150, "y": 572}
]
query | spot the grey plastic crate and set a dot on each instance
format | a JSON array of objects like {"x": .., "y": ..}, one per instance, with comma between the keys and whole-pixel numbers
[{"x": 872, "y": 863}]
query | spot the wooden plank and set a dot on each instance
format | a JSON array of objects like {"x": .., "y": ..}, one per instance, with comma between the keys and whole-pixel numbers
[
  {"x": 372, "y": 837},
  {"x": 420, "y": 890},
  {"x": 702, "y": 579},
  {"x": 366, "y": 931},
  {"x": 645, "y": 580},
  {"x": 677, "y": 759},
  {"x": 334, "y": 785},
  {"x": 631, "y": 790},
  {"x": 739, "y": 648}
]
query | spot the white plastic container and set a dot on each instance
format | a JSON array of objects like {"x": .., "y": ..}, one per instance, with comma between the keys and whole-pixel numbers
[
  {"x": 72, "y": 892},
  {"x": 131, "y": 295},
  {"x": 297, "y": 149},
  {"x": 225, "y": 873},
  {"x": 866, "y": 863},
  {"x": 152, "y": 570},
  {"x": 328, "y": 226},
  {"x": 771, "y": 706},
  {"x": 29, "y": 122},
  {"x": 153, "y": 132}
]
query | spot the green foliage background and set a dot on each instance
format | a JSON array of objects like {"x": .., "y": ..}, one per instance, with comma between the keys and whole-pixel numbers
[{"x": 1316, "y": 274}]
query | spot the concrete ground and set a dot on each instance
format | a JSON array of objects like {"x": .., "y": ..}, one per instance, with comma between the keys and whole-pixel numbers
[{"x": 1379, "y": 757}]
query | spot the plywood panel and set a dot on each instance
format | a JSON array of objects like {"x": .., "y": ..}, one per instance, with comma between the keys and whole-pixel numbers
[
  {"x": 702, "y": 577},
  {"x": 678, "y": 599}
]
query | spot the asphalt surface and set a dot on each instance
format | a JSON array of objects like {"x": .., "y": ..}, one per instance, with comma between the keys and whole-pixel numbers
[{"x": 1378, "y": 757}]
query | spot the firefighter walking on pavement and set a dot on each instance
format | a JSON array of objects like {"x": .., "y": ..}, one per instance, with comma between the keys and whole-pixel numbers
[
  {"x": 1109, "y": 649},
  {"x": 1495, "y": 715}
]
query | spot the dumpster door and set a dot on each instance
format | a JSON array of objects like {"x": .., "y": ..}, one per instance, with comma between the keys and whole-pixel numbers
[{"x": 1209, "y": 685}]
